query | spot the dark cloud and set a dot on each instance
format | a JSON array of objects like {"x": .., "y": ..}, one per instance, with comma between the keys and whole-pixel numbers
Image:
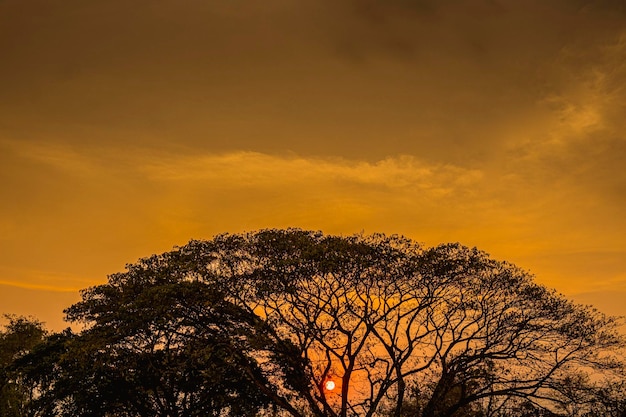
[{"x": 372, "y": 77}]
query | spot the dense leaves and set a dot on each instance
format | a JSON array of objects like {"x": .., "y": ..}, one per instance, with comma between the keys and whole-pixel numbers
[
  {"x": 170, "y": 348},
  {"x": 19, "y": 338}
]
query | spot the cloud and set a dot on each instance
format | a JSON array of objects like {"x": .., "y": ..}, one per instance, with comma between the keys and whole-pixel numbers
[
  {"x": 245, "y": 168},
  {"x": 253, "y": 169},
  {"x": 53, "y": 287},
  {"x": 58, "y": 156},
  {"x": 354, "y": 79},
  {"x": 129, "y": 127},
  {"x": 111, "y": 207},
  {"x": 107, "y": 200}
]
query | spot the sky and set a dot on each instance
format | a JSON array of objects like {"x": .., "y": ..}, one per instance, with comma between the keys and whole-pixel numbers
[{"x": 128, "y": 127}]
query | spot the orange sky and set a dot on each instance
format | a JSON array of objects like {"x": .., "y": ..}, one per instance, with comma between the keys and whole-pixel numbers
[{"x": 131, "y": 126}]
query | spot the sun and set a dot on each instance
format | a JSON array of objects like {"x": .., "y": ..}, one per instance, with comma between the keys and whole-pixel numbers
[{"x": 329, "y": 385}]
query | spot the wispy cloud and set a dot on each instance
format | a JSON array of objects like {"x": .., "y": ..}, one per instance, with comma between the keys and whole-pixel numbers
[
  {"x": 53, "y": 154},
  {"x": 263, "y": 170},
  {"x": 44, "y": 280}
]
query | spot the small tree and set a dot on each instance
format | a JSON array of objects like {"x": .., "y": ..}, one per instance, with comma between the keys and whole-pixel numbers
[{"x": 18, "y": 339}]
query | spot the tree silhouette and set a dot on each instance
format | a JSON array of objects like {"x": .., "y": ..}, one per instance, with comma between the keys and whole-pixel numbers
[
  {"x": 259, "y": 322},
  {"x": 20, "y": 336},
  {"x": 161, "y": 345},
  {"x": 379, "y": 312}
]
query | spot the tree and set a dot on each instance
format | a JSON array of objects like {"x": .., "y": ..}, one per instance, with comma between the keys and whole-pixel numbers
[
  {"x": 19, "y": 337},
  {"x": 265, "y": 319},
  {"x": 380, "y": 312},
  {"x": 158, "y": 345}
]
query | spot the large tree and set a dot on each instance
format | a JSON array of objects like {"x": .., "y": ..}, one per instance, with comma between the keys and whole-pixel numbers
[{"x": 266, "y": 319}]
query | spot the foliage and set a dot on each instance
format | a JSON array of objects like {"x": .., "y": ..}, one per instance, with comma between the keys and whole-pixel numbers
[
  {"x": 257, "y": 323},
  {"x": 19, "y": 337},
  {"x": 165, "y": 348}
]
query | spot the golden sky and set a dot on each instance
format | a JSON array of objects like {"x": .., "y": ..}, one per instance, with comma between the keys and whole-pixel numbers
[{"x": 130, "y": 126}]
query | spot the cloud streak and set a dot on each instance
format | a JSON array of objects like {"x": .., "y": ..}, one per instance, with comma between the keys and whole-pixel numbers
[{"x": 254, "y": 169}]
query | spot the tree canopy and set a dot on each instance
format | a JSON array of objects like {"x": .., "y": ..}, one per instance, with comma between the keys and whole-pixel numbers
[{"x": 257, "y": 323}]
